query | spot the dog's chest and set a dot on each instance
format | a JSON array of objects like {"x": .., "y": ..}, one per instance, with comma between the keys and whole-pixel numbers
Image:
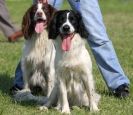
[
  {"x": 38, "y": 50},
  {"x": 71, "y": 74},
  {"x": 74, "y": 83}
]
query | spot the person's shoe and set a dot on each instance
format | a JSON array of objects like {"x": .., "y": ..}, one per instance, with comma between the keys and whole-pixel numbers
[
  {"x": 122, "y": 91},
  {"x": 14, "y": 89},
  {"x": 14, "y": 37}
]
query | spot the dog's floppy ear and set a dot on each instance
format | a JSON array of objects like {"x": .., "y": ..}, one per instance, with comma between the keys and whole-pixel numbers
[
  {"x": 52, "y": 10},
  {"x": 53, "y": 31},
  {"x": 27, "y": 27},
  {"x": 81, "y": 26}
]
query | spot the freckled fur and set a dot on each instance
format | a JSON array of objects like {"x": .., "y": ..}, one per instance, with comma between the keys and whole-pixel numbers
[
  {"x": 74, "y": 83},
  {"x": 37, "y": 61},
  {"x": 74, "y": 77}
]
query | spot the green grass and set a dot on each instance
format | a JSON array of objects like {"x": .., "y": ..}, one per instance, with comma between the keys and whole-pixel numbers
[{"x": 118, "y": 18}]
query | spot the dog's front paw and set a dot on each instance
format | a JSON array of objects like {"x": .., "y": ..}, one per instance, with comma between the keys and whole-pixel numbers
[
  {"x": 94, "y": 108},
  {"x": 65, "y": 110},
  {"x": 58, "y": 108},
  {"x": 43, "y": 108}
]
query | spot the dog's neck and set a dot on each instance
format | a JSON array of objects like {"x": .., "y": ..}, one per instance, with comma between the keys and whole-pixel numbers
[
  {"x": 75, "y": 52},
  {"x": 76, "y": 44},
  {"x": 44, "y": 33},
  {"x": 37, "y": 39}
]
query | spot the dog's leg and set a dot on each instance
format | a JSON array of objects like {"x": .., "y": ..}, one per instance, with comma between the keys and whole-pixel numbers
[
  {"x": 63, "y": 98},
  {"x": 51, "y": 79},
  {"x": 26, "y": 74},
  {"x": 90, "y": 90},
  {"x": 58, "y": 107},
  {"x": 25, "y": 93},
  {"x": 51, "y": 73},
  {"x": 51, "y": 100}
]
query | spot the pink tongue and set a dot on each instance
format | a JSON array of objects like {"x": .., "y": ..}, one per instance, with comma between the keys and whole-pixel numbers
[
  {"x": 39, "y": 27},
  {"x": 66, "y": 43}
]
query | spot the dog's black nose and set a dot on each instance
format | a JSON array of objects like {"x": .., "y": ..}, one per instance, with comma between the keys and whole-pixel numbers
[{"x": 66, "y": 28}]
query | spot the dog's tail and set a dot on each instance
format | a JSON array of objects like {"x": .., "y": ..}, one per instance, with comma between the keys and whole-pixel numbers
[{"x": 24, "y": 95}]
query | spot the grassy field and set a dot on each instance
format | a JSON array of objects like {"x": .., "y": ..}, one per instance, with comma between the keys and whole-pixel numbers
[{"x": 118, "y": 18}]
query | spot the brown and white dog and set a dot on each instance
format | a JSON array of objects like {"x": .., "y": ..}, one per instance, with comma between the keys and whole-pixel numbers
[
  {"x": 37, "y": 61},
  {"x": 75, "y": 84}
]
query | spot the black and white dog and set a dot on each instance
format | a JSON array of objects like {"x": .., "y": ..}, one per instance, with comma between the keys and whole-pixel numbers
[{"x": 75, "y": 84}]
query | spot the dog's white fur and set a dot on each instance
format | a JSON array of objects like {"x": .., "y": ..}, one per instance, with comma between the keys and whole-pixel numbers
[
  {"x": 67, "y": 23},
  {"x": 74, "y": 77},
  {"x": 37, "y": 61},
  {"x": 39, "y": 10},
  {"x": 38, "y": 65}
]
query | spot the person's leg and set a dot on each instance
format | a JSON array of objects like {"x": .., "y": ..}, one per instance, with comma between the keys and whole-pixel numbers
[
  {"x": 100, "y": 44},
  {"x": 18, "y": 81},
  {"x": 18, "y": 76},
  {"x": 6, "y": 25},
  {"x": 56, "y": 3}
]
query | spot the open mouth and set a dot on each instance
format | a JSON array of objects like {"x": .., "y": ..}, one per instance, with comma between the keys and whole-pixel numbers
[
  {"x": 41, "y": 24},
  {"x": 66, "y": 41}
]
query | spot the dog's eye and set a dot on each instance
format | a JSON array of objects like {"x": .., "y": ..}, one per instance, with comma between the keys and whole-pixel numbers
[
  {"x": 71, "y": 18},
  {"x": 62, "y": 18},
  {"x": 34, "y": 9},
  {"x": 43, "y": 8}
]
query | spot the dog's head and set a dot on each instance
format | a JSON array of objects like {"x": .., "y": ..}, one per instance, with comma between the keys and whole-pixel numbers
[
  {"x": 65, "y": 23},
  {"x": 37, "y": 18}
]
